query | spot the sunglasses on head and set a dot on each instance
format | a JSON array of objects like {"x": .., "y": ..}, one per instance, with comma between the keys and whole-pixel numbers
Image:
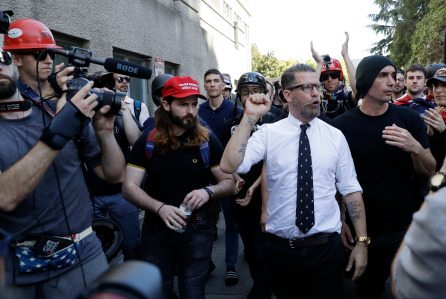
[
  {"x": 5, "y": 58},
  {"x": 121, "y": 79},
  {"x": 334, "y": 75},
  {"x": 37, "y": 55}
]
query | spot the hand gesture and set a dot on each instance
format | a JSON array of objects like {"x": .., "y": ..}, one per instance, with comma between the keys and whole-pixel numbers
[
  {"x": 62, "y": 79},
  {"x": 400, "y": 138},
  {"x": 358, "y": 257},
  {"x": 344, "y": 51},
  {"x": 239, "y": 184},
  {"x": 257, "y": 105},
  {"x": 248, "y": 197},
  {"x": 172, "y": 216},
  {"x": 315, "y": 54},
  {"x": 85, "y": 104},
  {"x": 434, "y": 120},
  {"x": 195, "y": 199}
]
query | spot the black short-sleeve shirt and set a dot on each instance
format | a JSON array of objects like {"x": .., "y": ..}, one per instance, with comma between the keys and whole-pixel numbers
[{"x": 172, "y": 176}]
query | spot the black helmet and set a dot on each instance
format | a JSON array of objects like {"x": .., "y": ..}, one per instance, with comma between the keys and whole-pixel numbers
[
  {"x": 228, "y": 84},
  {"x": 157, "y": 87},
  {"x": 252, "y": 78},
  {"x": 432, "y": 68}
]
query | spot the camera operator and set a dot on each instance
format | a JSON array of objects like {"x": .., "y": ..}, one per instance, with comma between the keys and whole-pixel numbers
[
  {"x": 44, "y": 203},
  {"x": 27, "y": 38}
]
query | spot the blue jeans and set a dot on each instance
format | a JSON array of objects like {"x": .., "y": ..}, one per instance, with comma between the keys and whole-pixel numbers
[
  {"x": 125, "y": 215},
  {"x": 189, "y": 251},
  {"x": 231, "y": 232}
]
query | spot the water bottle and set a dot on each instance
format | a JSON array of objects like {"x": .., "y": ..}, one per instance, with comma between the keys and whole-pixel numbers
[{"x": 188, "y": 213}]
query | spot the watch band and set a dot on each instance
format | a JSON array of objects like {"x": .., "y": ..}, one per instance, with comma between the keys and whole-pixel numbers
[
  {"x": 209, "y": 191},
  {"x": 365, "y": 240}
]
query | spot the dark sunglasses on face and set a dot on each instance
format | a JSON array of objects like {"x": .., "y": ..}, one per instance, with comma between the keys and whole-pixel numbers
[
  {"x": 37, "y": 55},
  {"x": 121, "y": 79},
  {"x": 5, "y": 58},
  {"x": 332, "y": 75}
]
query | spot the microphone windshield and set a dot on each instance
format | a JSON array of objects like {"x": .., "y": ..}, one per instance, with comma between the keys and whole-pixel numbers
[{"x": 127, "y": 68}]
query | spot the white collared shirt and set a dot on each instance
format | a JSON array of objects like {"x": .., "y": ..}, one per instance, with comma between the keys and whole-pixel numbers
[
  {"x": 144, "y": 111},
  {"x": 333, "y": 167}
]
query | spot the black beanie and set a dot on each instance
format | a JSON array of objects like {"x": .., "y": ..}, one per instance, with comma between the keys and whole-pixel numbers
[{"x": 367, "y": 71}]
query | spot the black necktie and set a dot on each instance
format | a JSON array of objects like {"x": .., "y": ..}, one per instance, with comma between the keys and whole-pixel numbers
[{"x": 305, "y": 204}]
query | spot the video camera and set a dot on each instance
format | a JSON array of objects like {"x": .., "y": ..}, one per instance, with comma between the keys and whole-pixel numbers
[
  {"x": 5, "y": 20},
  {"x": 81, "y": 59}
]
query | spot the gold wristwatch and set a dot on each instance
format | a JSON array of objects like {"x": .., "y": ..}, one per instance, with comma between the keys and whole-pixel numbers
[
  {"x": 437, "y": 181},
  {"x": 366, "y": 240}
]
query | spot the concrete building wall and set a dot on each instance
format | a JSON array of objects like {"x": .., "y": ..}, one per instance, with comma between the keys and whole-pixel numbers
[{"x": 193, "y": 35}]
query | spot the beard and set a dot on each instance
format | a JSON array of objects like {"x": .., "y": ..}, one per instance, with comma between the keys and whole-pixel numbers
[
  {"x": 310, "y": 112},
  {"x": 187, "y": 122},
  {"x": 306, "y": 110},
  {"x": 7, "y": 88}
]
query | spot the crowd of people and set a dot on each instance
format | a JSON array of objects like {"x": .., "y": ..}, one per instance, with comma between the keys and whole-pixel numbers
[{"x": 320, "y": 180}]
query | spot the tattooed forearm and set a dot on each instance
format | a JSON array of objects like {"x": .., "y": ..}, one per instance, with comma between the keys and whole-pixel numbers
[
  {"x": 251, "y": 121},
  {"x": 242, "y": 149},
  {"x": 354, "y": 210}
]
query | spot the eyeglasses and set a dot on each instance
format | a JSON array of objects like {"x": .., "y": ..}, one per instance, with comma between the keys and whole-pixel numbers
[
  {"x": 334, "y": 75},
  {"x": 121, "y": 79},
  {"x": 307, "y": 87},
  {"x": 400, "y": 80},
  {"x": 5, "y": 58},
  {"x": 37, "y": 55},
  {"x": 246, "y": 91}
]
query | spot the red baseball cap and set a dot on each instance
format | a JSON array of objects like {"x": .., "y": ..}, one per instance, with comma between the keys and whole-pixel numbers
[{"x": 181, "y": 87}]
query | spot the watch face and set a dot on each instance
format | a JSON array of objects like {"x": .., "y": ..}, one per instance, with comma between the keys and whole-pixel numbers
[{"x": 437, "y": 179}]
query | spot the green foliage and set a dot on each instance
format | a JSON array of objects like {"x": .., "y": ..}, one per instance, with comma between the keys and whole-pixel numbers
[
  {"x": 269, "y": 65},
  {"x": 427, "y": 41},
  {"x": 397, "y": 20}
]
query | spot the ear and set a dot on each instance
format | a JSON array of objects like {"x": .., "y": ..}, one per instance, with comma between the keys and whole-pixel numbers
[
  {"x": 166, "y": 105},
  {"x": 287, "y": 95},
  {"x": 18, "y": 59}
]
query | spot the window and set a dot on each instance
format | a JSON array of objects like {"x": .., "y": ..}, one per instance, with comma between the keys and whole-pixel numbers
[
  {"x": 172, "y": 69},
  {"x": 138, "y": 87}
]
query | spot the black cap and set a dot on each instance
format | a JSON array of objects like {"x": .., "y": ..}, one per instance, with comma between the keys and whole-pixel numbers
[
  {"x": 367, "y": 71},
  {"x": 440, "y": 75}
]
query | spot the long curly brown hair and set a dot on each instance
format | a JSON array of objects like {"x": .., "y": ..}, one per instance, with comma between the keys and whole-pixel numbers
[{"x": 165, "y": 139}]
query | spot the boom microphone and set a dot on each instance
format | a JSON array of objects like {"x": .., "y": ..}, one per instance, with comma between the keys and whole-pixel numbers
[
  {"x": 127, "y": 68},
  {"x": 77, "y": 56}
]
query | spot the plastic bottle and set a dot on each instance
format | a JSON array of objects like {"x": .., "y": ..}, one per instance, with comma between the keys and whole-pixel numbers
[{"x": 188, "y": 213}]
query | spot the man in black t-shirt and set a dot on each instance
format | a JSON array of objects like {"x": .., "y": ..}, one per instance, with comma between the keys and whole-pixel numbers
[
  {"x": 180, "y": 159},
  {"x": 388, "y": 145}
]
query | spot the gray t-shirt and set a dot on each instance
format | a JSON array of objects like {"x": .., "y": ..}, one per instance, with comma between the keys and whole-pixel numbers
[
  {"x": 42, "y": 212},
  {"x": 420, "y": 269}
]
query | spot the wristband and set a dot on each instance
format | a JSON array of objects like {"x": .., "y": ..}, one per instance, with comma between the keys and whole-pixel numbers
[
  {"x": 209, "y": 192},
  {"x": 64, "y": 126},
  {"x": 157, "y": 212}
]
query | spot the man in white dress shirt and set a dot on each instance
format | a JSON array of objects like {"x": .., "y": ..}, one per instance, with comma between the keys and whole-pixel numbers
[{"x": 305, "y": 261}]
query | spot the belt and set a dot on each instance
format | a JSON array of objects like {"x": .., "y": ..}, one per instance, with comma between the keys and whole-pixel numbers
[
  {"x": 76, "y": 238},
  {"x": 199, "y": 215},
  {"x": 314, "y": 240}
]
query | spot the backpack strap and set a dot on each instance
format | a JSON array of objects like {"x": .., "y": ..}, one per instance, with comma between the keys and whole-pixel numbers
[
  {"x": 150, "y": 144},
  {"x": 137, "y": 109},
  {"x": 205, "y": 153}
]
